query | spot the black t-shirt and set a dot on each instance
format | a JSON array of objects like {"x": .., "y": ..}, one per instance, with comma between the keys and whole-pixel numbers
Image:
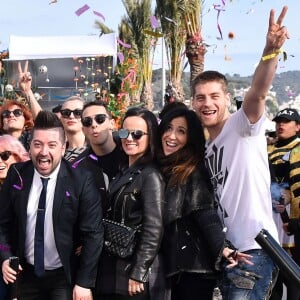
[{"x": 111, "y": 162}]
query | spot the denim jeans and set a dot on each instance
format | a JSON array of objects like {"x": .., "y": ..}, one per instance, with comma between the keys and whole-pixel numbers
[{"x": 250, "y": 282}]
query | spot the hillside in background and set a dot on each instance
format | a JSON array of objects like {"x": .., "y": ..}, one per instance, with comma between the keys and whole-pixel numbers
[{"x": 286, "y": 84}]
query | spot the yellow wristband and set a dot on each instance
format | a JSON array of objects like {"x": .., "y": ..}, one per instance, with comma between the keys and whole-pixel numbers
[{"x": 272, "y": 55}]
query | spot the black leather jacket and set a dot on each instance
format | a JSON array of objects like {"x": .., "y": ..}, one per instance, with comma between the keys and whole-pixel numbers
[
  {"x": 141, "y": 190},
  {"x": 193, "y": 240}
]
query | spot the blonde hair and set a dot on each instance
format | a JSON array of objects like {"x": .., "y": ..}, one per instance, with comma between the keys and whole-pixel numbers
[{"x": 73, "y": 98}]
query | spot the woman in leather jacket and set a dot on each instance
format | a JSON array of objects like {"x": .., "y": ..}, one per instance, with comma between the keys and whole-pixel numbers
[
  {"x": 194, "y": 241},
  {"x": 137, "y": 192}
]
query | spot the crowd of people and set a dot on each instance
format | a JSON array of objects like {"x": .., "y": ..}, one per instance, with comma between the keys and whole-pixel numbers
[{"x": 196, "y": 202}]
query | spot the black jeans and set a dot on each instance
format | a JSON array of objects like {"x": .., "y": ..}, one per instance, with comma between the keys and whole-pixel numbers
[
  {"x": 140, "y": 296},
  {"x": 52, "y": 286}
]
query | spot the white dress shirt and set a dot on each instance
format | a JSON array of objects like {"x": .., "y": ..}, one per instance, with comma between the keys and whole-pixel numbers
[{"x": 52, "y": 260}]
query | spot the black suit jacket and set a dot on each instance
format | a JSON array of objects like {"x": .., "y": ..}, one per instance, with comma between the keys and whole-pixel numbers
[{"x": 77, "y": 218}]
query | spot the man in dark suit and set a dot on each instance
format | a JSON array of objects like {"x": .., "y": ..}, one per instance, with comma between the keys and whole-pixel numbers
[{"x": 72, "y": 217}]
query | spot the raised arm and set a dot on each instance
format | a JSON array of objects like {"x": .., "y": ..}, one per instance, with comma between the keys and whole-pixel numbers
[
  {"x": 25, "y": 81},
  {"x": 254, "y": 103}
]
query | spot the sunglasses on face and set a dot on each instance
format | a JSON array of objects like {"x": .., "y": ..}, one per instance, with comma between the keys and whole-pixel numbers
[
  {"x": 17, "y": 113},
  {"x": 5, "y": 155},
  {"x": 66, "y": 113},
  {"x": 136, "y": 134},
  {"x": 88, "y": 121}
]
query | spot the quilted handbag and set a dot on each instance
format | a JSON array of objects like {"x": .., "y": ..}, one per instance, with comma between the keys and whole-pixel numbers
[{"x": 119, "y": 240}]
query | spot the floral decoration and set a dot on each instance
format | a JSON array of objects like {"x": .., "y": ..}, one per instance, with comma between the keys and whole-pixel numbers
[{"x": 123, "y": 87}]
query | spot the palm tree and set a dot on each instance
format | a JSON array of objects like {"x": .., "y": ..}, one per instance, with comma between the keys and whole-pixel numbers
[
  {"x": 181, "y": 24},
  {"x": 131, "y": 31},
  {"x": 138, "y": 22},
  {"x": 195, "y": 48},
  {"x": 125, "y": 35},
  {"x": 174, "y": 36}
]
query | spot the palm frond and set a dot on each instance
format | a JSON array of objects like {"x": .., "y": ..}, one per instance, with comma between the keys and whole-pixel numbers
[{"x": 103, "y": 28}]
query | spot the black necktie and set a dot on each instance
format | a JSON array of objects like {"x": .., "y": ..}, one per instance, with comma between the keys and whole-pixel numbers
[{"x": 39, "y": 268}]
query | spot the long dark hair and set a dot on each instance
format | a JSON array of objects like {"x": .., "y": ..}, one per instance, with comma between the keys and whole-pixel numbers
[
  {"x": 152, "y": 126},
  {"x": 177, "y": 166}
]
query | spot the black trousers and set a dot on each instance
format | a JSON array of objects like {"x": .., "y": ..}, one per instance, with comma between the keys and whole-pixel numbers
[
  {"x": 140, "y": 296},
  {"x": 52, "y": 286},
  {"x": 191, "y": 286}
]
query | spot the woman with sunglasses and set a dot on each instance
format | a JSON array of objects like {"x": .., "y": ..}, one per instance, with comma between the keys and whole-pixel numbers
[
  {"x": 16, "y": 120},
  {"x": 136, "y": 194},
  {"x": 11, "y": 151},
  {"x": 71, "y": 112},
  {"x": 194, "y": 241}
]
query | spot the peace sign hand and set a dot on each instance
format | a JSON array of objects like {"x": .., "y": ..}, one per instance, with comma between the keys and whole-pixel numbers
[
  {"x": 277, "y": 34},
  {"x": 25, "y": 78}
]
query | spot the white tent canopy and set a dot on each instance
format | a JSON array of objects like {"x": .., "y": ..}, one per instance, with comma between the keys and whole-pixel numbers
[
  {"x": 93, "y": 56},
  {"x": 45, "y": 47}
]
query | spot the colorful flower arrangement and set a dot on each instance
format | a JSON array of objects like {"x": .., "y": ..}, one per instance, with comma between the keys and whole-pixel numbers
[{"x": 122, "y": 88}]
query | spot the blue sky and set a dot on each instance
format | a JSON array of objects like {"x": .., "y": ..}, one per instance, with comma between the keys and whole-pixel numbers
[{"x": 248, "y": 20}]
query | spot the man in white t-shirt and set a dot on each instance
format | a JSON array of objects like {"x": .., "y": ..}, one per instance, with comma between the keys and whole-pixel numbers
[{"x": 238, "y": 163}]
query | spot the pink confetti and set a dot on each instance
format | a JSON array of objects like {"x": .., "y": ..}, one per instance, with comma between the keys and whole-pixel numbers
[
  {"x": 154, "y": 22},
  {"x": 219, "y": 8},
  {"x": 82, "y": 9},
  {"x": 123, "y": 44},
  {"x": 122, "y": 95},
  {"x": 121, "y": 57},
  {"x": 131, "y": 76},
  {"x": 18, "y": 187},
  {"x": 97, "y": 13},
  {"x": 93, "y": 157}
]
